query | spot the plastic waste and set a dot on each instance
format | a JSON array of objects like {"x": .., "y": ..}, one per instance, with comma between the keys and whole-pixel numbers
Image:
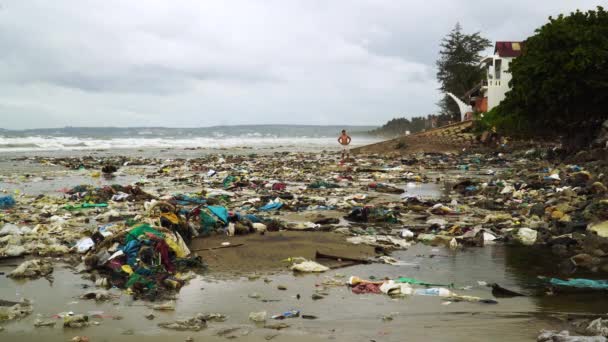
[
  {"x": 308, "y": 267},
  {"x": 580, "y": 283},
  {"x": 11, "y": 229},
  {"x": 258, "y": 316},
  {"x": 32, "y": 269},
  {"x": 407, "y": 234},
  {"x": 392, "y": 288},
  {"x": 599, "y": 228},
  {"x": 105, "y": 231},
  {"x": 230, "y": 231},
  {"x": 85, "y": 206},
  {"x": 83, "y": 245},
  {"x": 116, "y": 254},
  {"x": 75, "y": 321},
  {"x": 177, "y": 245},
  {"x": 434, "y": 291},
  {"x": 564, "y": 336},
  {"x": 121, "y": 196},
  {"x": 272, "y": 205},
  {"x": 354, "y": 280},
  {"x": 7, "y": 202},
  {"x": 323, "y": 185},
  {"x": 41, "y": 323},
  {"x": 383, "y": 241},
  {"x": 220, "y": 212},
  {"x": 526, "y": 236},
  {"x": 13, "y": 251},
  {"x": 196, "y": 323},
  {"x": 438, "y": 222},
  {"x": 15, "y": 311},
  {"x": 287, "y": 314},
  {"x": 168, "y": 306},
  {"x": 418, "y": 282},
  {"x": 598, "y": 326},
  {"x": 99, "y": 295},
  {"x": 259, "y": 227}
]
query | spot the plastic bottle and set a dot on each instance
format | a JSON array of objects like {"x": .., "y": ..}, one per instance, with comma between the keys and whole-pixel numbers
[
  {"x": 288, "y": 314},
  {"x": 434, "y": 291}
]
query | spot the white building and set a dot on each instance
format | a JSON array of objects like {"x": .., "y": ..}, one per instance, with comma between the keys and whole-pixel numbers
[{"x": 492, "y": 90}]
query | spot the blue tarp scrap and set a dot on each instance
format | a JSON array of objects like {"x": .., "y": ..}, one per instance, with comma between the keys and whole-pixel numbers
[
  {"x": 271, "y": 206},
  {"x": 187, "y": 200},
  {"x": 220, "y": 212},
  {"x": 581, "y": 283},
  {"x": 131, "y": 249}
]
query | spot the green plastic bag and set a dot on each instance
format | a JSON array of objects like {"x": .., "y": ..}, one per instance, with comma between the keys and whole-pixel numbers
[
  {"x": 418, "y": 282},
  {"x": 136, "y": 232},
  {"x": 85, "y": 206},
  {"x": 136, "y": 278}
]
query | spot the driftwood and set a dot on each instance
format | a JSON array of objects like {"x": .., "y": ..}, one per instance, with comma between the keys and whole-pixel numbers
[
  {"x": 219, "y": 247},
  {"x": 319, "y": 255},
  {"x": 335, "y": 267}
]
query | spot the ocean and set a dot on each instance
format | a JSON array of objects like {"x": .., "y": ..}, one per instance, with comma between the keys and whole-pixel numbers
[{"x": 219, "y": 137}]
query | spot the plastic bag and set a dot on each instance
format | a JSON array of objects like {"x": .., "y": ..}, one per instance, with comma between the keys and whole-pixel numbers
[
  {"x": 83, "y": 245},
  {"x": 309, "y": 266},
  {"x": 7, "y": 202}
]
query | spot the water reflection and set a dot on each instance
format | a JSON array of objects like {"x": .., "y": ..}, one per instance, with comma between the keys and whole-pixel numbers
[{"x": 527, "y": 264}]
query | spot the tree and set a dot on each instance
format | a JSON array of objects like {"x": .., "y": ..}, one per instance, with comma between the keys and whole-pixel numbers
[
  {"x": 398, "y": 126},
  {"x": 560, "y": 83},
  {"x": 458, "y": 66}
]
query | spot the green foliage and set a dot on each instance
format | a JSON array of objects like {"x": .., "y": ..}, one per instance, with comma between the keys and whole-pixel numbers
[
  {"x": 458, "y": 66},
  {"x": 399, "y": 126},
  {"x": 513, "y": 125},
  {"x": 560, "y": 83}
]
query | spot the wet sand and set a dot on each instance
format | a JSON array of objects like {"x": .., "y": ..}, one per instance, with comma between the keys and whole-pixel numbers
[
  {"x": 265, "y": 253},
  {"x": 342, "y": 315}
]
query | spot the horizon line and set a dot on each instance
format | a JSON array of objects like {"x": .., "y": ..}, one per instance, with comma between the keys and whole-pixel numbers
[{"x": 198, "y": 127}]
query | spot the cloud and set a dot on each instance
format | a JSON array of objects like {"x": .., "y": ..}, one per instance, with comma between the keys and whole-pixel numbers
[{"x": 199, "y": 63}]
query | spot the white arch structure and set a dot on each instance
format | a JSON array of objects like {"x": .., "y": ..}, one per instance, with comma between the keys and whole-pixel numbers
[{"x": 464, "y": 108}]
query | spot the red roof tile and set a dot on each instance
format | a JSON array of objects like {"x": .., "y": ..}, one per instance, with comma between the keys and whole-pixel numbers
[{"x": 508, "y": 49}]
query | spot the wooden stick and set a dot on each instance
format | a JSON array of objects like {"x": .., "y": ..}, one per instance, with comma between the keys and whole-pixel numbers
[
  {"x": 220, "y": 247},
  {"x": 335, "y": 267},
  {"x": 335, "y": 257}
]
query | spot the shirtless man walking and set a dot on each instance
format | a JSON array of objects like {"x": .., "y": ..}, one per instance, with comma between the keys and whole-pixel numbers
[{"x": 344, "y": 140}]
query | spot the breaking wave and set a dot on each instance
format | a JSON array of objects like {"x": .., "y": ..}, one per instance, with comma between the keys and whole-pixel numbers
[{"x": 36, "y": 143}]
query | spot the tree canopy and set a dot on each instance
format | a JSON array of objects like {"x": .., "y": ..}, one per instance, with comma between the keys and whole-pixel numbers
[
  {"x": 399, "y": 126},
  {"x": 560, "y": 82},
  {"x": 458, "y": 66}
]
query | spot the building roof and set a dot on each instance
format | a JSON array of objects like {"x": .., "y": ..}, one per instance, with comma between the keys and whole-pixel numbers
[{"x": 508, "y": 49}]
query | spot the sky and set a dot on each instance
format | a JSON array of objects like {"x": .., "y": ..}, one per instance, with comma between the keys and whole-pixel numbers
[{"x": 191, "y": 63}]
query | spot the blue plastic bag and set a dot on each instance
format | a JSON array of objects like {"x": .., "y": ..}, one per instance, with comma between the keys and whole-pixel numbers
[{"x": 7, "y": 202}]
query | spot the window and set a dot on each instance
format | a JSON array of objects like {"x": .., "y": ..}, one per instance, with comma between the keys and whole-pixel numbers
[{"x": 497, "y": 68}]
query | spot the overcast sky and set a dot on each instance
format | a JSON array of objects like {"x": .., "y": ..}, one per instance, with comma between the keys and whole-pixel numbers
[{"x": 202, "y": 63}]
